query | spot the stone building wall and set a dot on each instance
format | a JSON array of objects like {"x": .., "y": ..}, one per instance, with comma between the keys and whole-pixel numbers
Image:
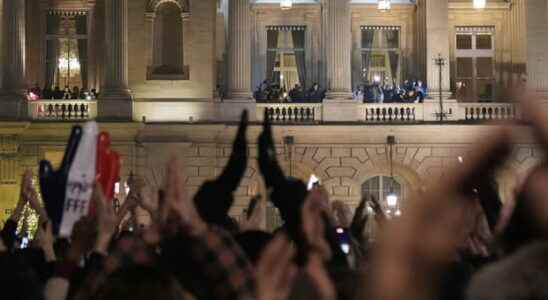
[
  {"x": 199, "y": 46},
  {"x": 343, "y": 157}
]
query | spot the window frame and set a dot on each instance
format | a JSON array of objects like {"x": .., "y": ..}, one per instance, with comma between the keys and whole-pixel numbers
[
  {"x": 49, "y": 36},
  {"x": 362, "y": 50},
  {"x": 474, "y": 54},
  {"x": 285, "y": 50}
]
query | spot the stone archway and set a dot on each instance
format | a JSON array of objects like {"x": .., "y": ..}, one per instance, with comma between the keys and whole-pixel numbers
[{"x": 153, "y": 5}]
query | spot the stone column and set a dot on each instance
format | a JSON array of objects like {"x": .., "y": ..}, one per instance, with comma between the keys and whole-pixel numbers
[
  {"x": 337, "y": 39},
  {"x": 537, "y": 47},
  {"x": 13, "y": 63},
  {"x": 338, "y": 48},
  {"x": 437, "y": 38},
  {"x": 92, "y": 50},
  {"x": 150, "y": 42},
  {"x": 185, "y": 40},
  {"x": 239, "y": 52},
  {"x": 115, "y": 99}
]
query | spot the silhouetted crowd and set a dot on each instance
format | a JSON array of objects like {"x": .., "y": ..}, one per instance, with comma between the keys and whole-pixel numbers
[
  {"x": 37, "y": 93},
  {"x": 454, "y": 240},
  {"x": 376, "y": 92},
  {"x": 411, "y": 91},
  {"x": 273, "y": 92}
]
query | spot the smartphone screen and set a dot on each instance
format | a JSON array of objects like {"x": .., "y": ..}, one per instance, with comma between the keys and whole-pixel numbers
[
  {"x": 24, "y": 242},
  {"x": 313, "y": 182},
  {"x": 252, "y": 205},
  {"x": 344, "y": 240}
]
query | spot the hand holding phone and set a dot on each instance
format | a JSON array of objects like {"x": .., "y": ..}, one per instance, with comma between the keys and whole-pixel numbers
[{"x": 252, "y": 205}]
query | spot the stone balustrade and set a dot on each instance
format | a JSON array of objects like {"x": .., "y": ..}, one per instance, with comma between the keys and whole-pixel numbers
[
  {"x": 392, "y": 112},
  {"x": 63, "y": 110},
  {"x": 488, "y": 111},
  {"x": 290, "y": 112}
]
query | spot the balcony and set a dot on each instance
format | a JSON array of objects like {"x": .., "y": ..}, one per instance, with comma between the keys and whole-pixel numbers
[
  {"x": 282, "y": 113},
  {"x": 63, "y": 110},
  {"x": 392, "y": 113}
]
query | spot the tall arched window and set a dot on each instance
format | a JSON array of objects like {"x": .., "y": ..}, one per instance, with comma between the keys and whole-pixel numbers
[{"x": 166, "y": 57}]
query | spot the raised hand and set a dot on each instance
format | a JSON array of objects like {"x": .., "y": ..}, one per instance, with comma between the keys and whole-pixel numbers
[
  {"x": 177, "y": 201},
  {"x": 44, "y": 240},
  {"x": 412, "y": 249},
  {"x": 147, "y": 200},
  {"x": 31, "y": 196},
  {"x": 276, "y": 270},
  {"x": 254, "y": 220},
  {"x": 268, "y": 164},
  {"x": 359, "y": 221},
  {"x": 107, "y": 222},
  {"x": 342, "y": 213},
  {"x": 313, "y": 226},
  {"x": 215, "y": 198},
  {"x": 83, "y": 238},
  {"x": 380, "y": 217},
  {"x": 53, "y": 182},
  {"x": 315, "y": 268}
]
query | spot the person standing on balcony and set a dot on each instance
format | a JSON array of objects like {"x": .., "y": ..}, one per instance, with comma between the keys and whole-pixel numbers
[
  {"x": 57, "y": 93},
  {"x": 359, "y": 94}
]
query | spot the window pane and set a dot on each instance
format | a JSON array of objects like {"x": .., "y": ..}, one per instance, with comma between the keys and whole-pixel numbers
[
  {"x": 484, "y": 67},
  {"x": 53, "y": 24},
  {"x": 378, "y": 60},
  {"x": 392, "y": 38},
  {"x": 284, "y": 40},
  {"x": 380, "y": 38},
  {"x": 298, "y": 39},
  {"x": 272, "y": 39},
  {"x": 394, "y": 58},
  {"x": 390, "y": 185},
  {"x": 485, "y": 89},
  {"x": 371, "y": 188},
  {"x": 483, "y": 41},
  {"x": 367, "y": 38},
  {"x": 81, "y": 24},
  {"x": 465, "y": 67},
  {"x": 464, "y": 41},
  {"x": 289, "y": 60}
]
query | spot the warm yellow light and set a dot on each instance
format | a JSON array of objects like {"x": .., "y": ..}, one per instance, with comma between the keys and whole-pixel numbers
[
  {"x": 286, "y": 4},
  {"x": 479, "y": 4},
  {"x": 73, "y": 63},
  {"x": 384, "y": 5}
]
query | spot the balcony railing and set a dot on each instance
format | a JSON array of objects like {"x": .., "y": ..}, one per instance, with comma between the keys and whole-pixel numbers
[
  {"x": 63, "y": 110},
  {"x": 290, "y": 112},
  {"x": 488, "y": 111},
  {"x": 392, "y": 113},
  {"x": 298, "y": 113}
]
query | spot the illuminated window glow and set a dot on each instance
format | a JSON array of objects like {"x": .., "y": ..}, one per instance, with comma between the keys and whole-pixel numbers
[{"x": 479, "y": 4}]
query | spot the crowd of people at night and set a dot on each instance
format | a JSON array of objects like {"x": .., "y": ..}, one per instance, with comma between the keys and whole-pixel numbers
[
  {"x": 411, "y": 91},
  {"x": 47, "y": 93},
  {"x": 454, "y": 240}
]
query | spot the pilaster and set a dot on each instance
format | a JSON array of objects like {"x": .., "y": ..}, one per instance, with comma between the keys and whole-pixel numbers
[
  {"x": 239, "y": 52},
  {"x": 338, "y": 39},
  {"x": 115, "y": 100},
  {"x": 14, "y": 106}
]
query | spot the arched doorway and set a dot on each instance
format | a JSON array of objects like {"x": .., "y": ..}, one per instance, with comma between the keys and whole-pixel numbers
[{"x": 389, "y": 192}]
